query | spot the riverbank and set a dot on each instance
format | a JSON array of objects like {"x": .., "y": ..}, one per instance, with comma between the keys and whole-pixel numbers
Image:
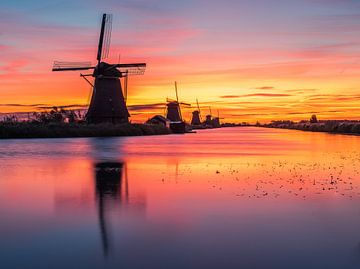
[
  {"x": 330, "y": 126},
  {"x": 66, "y": 130}
]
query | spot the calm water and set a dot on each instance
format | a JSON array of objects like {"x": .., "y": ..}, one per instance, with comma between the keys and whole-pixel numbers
[{"x": 229, "y": 198}]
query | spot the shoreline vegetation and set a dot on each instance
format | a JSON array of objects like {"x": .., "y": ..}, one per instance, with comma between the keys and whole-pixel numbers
[
  {"x": 67, "y": 130},
  {"x": 313, "y": 125},
  {"x": 60, "y": 123}
]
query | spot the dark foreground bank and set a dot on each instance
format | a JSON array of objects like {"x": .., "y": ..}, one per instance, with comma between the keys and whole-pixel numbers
[
  {"x": 330, "y": 126},
  {"x": 63, "y": 130}
]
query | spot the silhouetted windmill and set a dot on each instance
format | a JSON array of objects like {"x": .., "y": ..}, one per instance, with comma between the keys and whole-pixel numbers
[
  {"x": 108, "y": 103},
  {"x": 216, "y": 120},
  {"x": 173, "y": 107},
  {"x": 196, "y": 115},
  {"x": 208, "y": 119}
]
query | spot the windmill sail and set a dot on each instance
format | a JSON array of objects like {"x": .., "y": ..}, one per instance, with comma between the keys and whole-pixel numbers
[
  {"x": 71, "y": 66},
  {"x": 105, "y": 36},
  {"x": 131, "y": 69}
]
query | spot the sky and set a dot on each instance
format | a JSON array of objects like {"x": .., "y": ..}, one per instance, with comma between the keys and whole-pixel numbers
[{"x": 258, "y": 60}]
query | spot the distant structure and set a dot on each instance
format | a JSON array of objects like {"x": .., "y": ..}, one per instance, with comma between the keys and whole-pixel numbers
[
  {"x": 208, "y": 120},
  {"x": 212, "y": 122},
  {"x": 216, "y": 121},
  {"x": 108, "y": 102},
  {"x": 173, "y": 107},
  {"x": 159, "y": 120},
  {"x": 196, "y": 115},
  {"x": 173, "y": 113}
]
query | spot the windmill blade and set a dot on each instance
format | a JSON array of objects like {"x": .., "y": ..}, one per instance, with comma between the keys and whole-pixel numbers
[
  {"x": 101, "y": 38},
  {"x": 185, "y": 104},
  {"x": 126, "y": 78},
  {"x": 176, "y": 92},
  {"x": 132, "y": 69},
  {"x": 107, "y": 37},
  {"x": 197, "y": 102},
  {"x": 71, "y": 66}
]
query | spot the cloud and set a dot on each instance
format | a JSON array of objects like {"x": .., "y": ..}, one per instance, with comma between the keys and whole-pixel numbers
[
  {"x": 301, "y": 90},
  {"x": 21, "y": 105},
  {"x": 257, "y": 95},
  {"x": 265, "y": 88},
  {"x": 230, "y": 96},
  {"x": 146, "y": 107},
  {"x": 333, "y": 97}
]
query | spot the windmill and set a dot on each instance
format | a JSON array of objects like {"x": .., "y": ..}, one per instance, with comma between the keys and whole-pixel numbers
[
  {"x": 208, "y": 119},
  {"x": 173, "y": 107},
  {"x": 216, "y": 120},
  {"x": 196, "y": 115},
  {"x": 108, "y": 103}
]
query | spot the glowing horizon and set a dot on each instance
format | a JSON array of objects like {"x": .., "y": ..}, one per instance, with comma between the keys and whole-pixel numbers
[{"x": 259, "y": 61}]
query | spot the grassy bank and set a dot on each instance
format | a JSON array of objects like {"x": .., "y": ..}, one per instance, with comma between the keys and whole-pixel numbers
[
  {"x": 330, "y": 126},
  {"x": 63, "y": 130}
]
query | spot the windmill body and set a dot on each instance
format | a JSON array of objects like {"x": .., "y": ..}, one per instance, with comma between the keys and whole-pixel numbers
[
  {"x": 173, "y": 108},
  {"x": 173, "y": 111},
  {"x": 208, "y": 120},
  {"x": 108, "y": 103},
  {"x": 195, "y": 118}
]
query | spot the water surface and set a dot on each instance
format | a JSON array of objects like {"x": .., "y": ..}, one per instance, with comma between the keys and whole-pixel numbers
[{"x": 226, "y": 198}]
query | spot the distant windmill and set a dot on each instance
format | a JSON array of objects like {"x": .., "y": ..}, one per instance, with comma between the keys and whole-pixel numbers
[
  {"x": 173, "y": 107},
  {"x": 196, "y": 115},
  {"x": 108, "y": 103},
  {"x": 208, "y": 119},
  {"x": 216, "y": 120}
]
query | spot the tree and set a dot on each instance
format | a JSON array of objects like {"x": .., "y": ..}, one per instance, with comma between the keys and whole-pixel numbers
[{"x": 313, "y": 119}]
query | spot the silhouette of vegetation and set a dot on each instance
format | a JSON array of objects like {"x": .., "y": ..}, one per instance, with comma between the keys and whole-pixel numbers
[
  {"x": 313, "y": 119},
  {"x": 58, "y": 115},
  {"x": 330, "y": 126},
  {"x": 61, "y": 123}
]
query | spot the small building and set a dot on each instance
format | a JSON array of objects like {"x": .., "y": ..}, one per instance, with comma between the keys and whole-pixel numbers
[{"x": 159, "y": 120}]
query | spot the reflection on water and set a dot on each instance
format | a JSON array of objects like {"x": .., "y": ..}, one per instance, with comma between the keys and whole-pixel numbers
[
  {"x": 108, "y": 176},
  {"x": 228, "y": 198}
]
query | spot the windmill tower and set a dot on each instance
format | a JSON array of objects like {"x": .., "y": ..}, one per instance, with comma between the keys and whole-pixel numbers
[
  {"x": 173, "y": 107},
  {"x": 196, "y": 116},
  {"x": 216, "y": 121},
  {"x": 108, "y": 103},
  {"x": 208, "y": 119}
]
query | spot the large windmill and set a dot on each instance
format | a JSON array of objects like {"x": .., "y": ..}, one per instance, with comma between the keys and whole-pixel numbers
[
  {"x": 173, "y": 107},
  {"x": 108, "y": 103}
]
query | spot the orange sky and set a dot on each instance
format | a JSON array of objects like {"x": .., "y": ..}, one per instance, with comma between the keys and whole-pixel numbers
[{"x": 251, "y": 61}]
